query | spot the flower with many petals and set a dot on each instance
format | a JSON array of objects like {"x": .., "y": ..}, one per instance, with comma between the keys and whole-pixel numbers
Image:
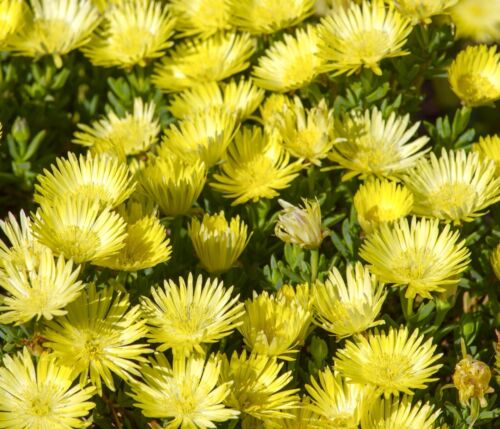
[
  {"x": 478, "y": 20},
  {"x": 12, "y": 18},
  {"x": 421, "y": 11},
  {"x": 489, "y": 148}
]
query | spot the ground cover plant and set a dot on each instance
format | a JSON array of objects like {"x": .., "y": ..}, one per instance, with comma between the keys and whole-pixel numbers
[{"x": 249, "y": 213}]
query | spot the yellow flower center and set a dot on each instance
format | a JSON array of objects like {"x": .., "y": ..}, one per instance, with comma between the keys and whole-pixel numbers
[
  {"x": 390, "y": 369},
  {"x": 132, "y": 42},
  {"x": 412, "y": 264},
  {"x": 370, "y": 46},
  {"x": 40, "y": 406},
  {"x": 476, "y": 87},
  {"x": 78, "y": 244},
  {"x": 383, "y": 212},
  {"x": 453, "y": 197}
]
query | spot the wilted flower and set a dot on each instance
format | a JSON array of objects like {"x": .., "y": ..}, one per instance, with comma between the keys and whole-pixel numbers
[{"x": 472, "y": 378}]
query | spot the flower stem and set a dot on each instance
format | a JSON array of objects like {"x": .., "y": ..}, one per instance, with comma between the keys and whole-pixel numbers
[{"x": 314, "y": 264}]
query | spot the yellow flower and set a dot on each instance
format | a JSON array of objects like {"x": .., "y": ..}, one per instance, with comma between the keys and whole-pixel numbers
[
  {"x": 495, "y": 261},
  {"x": 273, "y": 109},
  {"x": 133, "y": 32},
  {"x": 269, "y": 16},
  {"x": 341, "y": 404},
  {"x": 421, "y": 11},
  {"x": 184, "y": 316},
  {"x": 381, "y": 201},
  {"x": 362, "y": 36},
  {"x": 474, "y": 75},
  {"x": 489, "y": 148},
  {"x": 418, "y": 255},
  {"x": 308, "y": 134},
  {"x": 376, "y": 146},
  {"x": 40, "y": 292},
  {"x": 55, "y": 27},
  {"x": 291, "y": 63},
  {"x": 300, "y": 225},
  {"x": 347, "y": 309},
  {"x": 274, "y": 326},
  {"x": 210, "y": 60},
  {"x": 96, "y": 178},
  {"x": 131, "y": 134},
  {"x": 477, "y": 19},
  {"x": 258, "y": 388},
  {"x": 456, "y": 187},
  {"x": 12, "y": 18},
  {"x": 472, "y": 380},
  {"x": 392, "y": 363},
  {"x": 396, "y": 412},
  {"x": 98, "y": 337},
  {"x": 200, "y": 17},
  {"x": 240, "y": 98},
  {"x": 172, "y": 183},
  {"x": 217, "y": 243},
  {"x": 303, "y": 418},
  {"x": 204, "y": 136},
  {"x": 41, "y": 395},
  {"x": 257, "y": 166},
  {"x": 79, "y": 229},
  {"x": 186, "y": 392}
]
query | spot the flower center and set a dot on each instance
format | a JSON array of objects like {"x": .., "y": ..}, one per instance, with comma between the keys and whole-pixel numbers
[
  {"x": 370, "y": 46},
  {"x": 77, "y": 243},
  {"x": 454, "y": 198},
  {"x": 40, "y": 406}
]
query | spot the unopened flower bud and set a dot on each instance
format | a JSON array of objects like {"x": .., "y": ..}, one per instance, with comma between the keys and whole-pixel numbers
[{"x": 472, "y": 378}]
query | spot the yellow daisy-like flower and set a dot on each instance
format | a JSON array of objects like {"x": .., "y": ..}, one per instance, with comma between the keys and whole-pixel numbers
[
  {"x": 240, "y": 98},
  {"x": 80, "y": 229},
  {"x": 495, "y": 261},
  {"x": 97, "y": 178},
  {"x": 257, "y": 166},
  {"x": 269, "y": 16},
  {"x": 98, "y": 337},
  {"x": 201, "y": 18},
  {"x": 40, "y": 292},
  {"x": 341, "y": 404},
  {"x": 347, "y": 309},
  {"x": 273, "y": 109},
  {"x": 478, "y": 20},
  {"x": 258, "y": 388},
  {"x": 133, "y": 32},
  {"x": 474, "y": 75},
  {"x": 172, "y": 183},
  {"x": 399, "y": 413},
  {"x": 274, "y": 326},
  {"x": 376, "y": 146},
  {"x": 184, "y": 316},
  {"x": 291, "y": 63},
  {"x": 55, "y": 27},
  {"x": 186, "y": 392},
  {"x": 418, "y": 255},
  {"x": 381, "y": 201},
  {"x": 421, "y": 11},
  {"x": 362, "y": 36},
  {"x": 392, "y": 362},
  {"x": 132, "y": 134},
  {"x": 217, "y": 243},
  {"x": 303, "y": 418},
  {"x": 308, "y": 133},
  {"x": 12, "y": 18},
  {"x": 204, "y": 136},
  {"x": 489, "y": 148},
  {"x": 40, "y": 395},
  {"x": 210, "y": 60},
  {"x": 456, "y": 187}
]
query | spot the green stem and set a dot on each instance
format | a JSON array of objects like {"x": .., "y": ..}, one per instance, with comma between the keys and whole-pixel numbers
[{"x": 314, "y": 264}]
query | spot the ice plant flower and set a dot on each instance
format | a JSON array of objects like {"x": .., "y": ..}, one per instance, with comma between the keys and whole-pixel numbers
[
  {"x": 300, "y": 225},
  {"x": 489, "y": 148},
  {"x": 41, "y": 395},
  {"x": 172, "y": 183},
  {"x": 348, "y": 308},
  {"x": 98, "y": 337},
  {"x": 80, "y": 229},
  {"x": 185, "y": 315},
  {"x": 12, "y": 18},
  {"x": 269, "y": 16},
  {"x": 394, "y": 362},
  {"x": 259, "y": 386},
  {"x": 381, "y": 201},
  {"x": 133, "y": 32},
  {"x": 303, "y": 418},
  {"x": 376, "y": 146},
  {"x": 477, "y": 20},
  {"x": 362, "y": 36},
  {"x": 399, "y": 412},
  {"x": 131, "y": 134},
  {"x": 474, "y": 75},
  {"x": 291, "y": 63},
  {"x": 308, "y": 134},
  {"x": 210, "y": 60},
  {"x": 495, "y": 261},
  {"x": 187, "y": 392},
  {"x": 256, "y": 167},
  {"x": 456, "y": 187},
  {"x": 40, "y": 292},
  {"x": 421, "y": 11},
  {"x": 416, "y": 254},
  {"x": 217, "y": 242},
  {"x": 472, "y": 380},
  {"x": 55, "y": 27},
  {"x": 273, "y": 109},
  {"x": 95, "y": 177}
]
